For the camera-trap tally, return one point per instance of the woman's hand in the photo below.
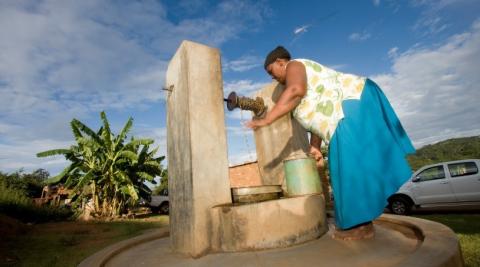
(255, 124)
(315, 151)
(317, 155)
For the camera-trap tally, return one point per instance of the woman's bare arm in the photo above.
(295, 90)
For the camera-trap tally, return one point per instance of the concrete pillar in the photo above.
(281, 139)
(196, 146)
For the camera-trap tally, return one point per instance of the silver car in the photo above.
(160, 203)
(442, 185)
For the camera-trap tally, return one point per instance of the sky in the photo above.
(62, 59)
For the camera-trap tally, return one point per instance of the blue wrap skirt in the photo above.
(367, 157)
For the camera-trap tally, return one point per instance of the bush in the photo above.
(30, 183)
(15, 203)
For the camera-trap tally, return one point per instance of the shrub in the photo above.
(30, 183)
(15, 203)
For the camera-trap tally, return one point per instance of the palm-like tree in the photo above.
(106, 167)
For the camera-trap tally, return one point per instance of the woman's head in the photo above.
(276, 63)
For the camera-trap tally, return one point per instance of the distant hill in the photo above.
(451, 149)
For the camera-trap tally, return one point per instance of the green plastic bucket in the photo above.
(302, 176)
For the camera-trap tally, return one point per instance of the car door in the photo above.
(431, 186)
(465, 180)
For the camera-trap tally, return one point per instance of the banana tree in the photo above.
(107, 168)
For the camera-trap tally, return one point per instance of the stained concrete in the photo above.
(269, 224)
(245, 175)
(321, 252)
(196, 146)
(279, 140)
(399, 241)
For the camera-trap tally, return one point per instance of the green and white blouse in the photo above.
(320, 110)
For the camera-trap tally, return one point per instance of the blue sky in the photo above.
(72, 59)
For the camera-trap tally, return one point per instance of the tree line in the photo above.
(448, 150)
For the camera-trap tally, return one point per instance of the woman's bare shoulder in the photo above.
(297, 74)
(295, 66)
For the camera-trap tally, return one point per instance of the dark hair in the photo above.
(278, 52)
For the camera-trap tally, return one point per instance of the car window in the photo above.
(462, 169)
(164, 192)
(432, 173)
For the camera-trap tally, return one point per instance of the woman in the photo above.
(367, 143)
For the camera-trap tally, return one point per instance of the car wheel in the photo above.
(400, 206)
(154, 209)
(164, 209)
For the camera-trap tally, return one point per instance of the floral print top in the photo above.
(320, 110)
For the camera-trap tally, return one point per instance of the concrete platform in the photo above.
(399, 241)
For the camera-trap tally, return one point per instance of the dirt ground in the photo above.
(9, 228)
(66, 241)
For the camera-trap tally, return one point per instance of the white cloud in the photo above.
(241, 115)
(301, 29)
(298, 32)
(393, 52)
(435, 90)
(21, 153)
(243, 87)
(240, 131)
(434, 17)
(70, 59)
(7, 128)
(243, 63)
(436, 5)
(241, 158)
(430, 25)
(338, 66)
(158, 134)
(56, 52)
(376, 2)
(356, 36)
(17, 155)
(75, 51)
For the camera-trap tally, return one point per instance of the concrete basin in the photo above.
(268, 224)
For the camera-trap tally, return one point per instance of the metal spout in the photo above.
(257, 105)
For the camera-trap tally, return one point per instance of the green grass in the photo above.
(467, 228)
(68, 243)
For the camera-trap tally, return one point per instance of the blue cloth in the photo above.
(367, 157)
